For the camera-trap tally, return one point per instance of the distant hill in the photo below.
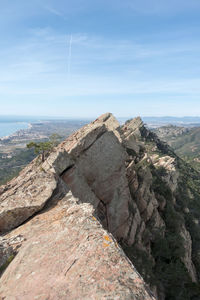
(184, 141)
(154, 122)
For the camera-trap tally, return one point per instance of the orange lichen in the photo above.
(105, 245)
(107, 238)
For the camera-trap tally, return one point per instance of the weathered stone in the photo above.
(27, 194)
(109, 120)
(8, 249)
(100, 174)
(68, 255)
(58, 162)
(187, 259)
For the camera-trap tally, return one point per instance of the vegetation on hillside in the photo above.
(185, 142)
(13, 164)
(14, 155)
(44, 148)
(162, 264)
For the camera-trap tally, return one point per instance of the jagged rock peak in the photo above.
(109, 120)
(61, 220)
(134, 123)
(72, 209)
(105, 117)
(134, 127)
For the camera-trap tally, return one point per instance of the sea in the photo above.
(9, 128)
(11, 124)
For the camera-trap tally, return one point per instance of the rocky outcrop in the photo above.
(187, 258)
(171, 131)
(24, 196)
(68, 255)
(63, 251)
(102, 186)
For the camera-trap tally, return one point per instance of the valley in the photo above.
(185, 141)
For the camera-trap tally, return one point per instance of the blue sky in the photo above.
(130, 57)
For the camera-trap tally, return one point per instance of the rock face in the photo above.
(104, 189)
(24, 196)
(68, 255)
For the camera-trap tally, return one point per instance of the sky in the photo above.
(82, 58)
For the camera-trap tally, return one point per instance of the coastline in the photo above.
(14, 129)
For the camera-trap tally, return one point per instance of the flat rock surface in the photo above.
(66, 254)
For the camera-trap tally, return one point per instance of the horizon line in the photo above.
(91, 117)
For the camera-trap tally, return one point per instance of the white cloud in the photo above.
(99, 66)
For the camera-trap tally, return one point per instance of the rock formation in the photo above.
(67, 223)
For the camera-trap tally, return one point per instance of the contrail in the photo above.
(69, 57)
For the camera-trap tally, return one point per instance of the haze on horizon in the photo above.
(84, 58)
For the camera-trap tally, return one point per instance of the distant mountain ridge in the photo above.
(185, 142)
(154, 122)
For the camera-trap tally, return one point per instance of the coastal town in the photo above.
(14, 154)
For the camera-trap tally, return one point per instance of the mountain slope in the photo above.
(184, 141)
(124, 178)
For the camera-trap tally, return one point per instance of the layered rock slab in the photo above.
(66, 254)
(100, 168)
(63, 252)
(25, 195)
